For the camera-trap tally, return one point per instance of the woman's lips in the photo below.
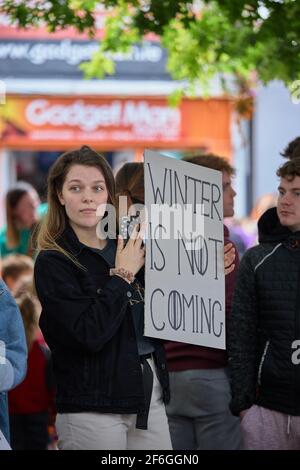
(88, 211)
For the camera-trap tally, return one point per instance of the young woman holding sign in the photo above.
(110, 379)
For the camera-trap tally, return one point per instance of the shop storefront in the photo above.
(50, 108)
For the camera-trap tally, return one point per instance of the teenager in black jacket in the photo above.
(106, 371)
(264, 339)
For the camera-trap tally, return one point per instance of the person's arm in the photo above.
(70, 317)
(13, 349)
(242, 338)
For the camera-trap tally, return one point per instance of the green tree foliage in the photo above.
(203, 38)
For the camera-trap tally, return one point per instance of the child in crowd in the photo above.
(15, 268)
(31, 404)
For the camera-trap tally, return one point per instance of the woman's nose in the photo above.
(87, 196)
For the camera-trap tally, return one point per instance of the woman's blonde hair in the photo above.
(55, 221)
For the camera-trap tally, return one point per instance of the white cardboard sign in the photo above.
(185, 286)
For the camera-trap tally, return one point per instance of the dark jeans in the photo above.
(29, 431)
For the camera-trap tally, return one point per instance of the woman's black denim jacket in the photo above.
(86, 320)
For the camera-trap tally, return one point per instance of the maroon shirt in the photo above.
(183, 356)
(33, 395)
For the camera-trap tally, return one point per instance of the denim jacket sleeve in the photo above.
(70, 316)
(13, 348)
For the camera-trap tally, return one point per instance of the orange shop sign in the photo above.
(48, 122)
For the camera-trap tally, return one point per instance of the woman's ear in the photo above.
(60, 198)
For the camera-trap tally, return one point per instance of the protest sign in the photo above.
(185, 286)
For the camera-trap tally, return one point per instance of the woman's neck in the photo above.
(89, 237)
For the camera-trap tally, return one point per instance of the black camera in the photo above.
(127, 224)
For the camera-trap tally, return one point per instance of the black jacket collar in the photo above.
(69, 241)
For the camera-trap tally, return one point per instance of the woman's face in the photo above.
(83, 191)
(25, 211)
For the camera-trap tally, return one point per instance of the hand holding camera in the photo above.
(127, 224)
(130, 250)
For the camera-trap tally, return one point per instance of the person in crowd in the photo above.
(244, 232)
(130, 183)
(264, 328)
(198, 412)
(13, 352)
(109, 380)
(31, 404)
(23, 211)
(15, 268)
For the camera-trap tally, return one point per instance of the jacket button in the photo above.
(99, 290)
(129, 294)
(163, 366)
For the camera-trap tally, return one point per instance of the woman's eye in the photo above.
(99, 188)
(75, 188)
